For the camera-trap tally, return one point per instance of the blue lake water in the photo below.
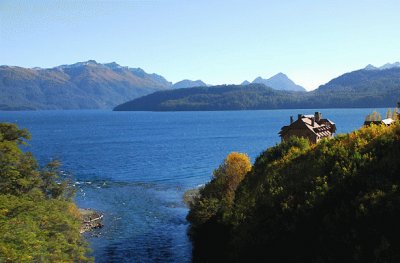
(135, 166)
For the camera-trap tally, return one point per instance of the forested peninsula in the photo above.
(335, 201)
(38, 220)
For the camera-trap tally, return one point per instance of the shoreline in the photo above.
(90, 220)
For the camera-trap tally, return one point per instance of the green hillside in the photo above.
(223, 97)
(337, 201)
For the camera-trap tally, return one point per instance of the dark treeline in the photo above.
(337, 201)
(358, 89)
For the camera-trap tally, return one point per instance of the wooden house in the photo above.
(312, 127)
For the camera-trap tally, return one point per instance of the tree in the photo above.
(218, 195)
(388, 114)
(10, 132)
(375, 116)
(232, 172)
(208, 230)
(38, 221)
(378, 117)
(395, 115)
(18, 170)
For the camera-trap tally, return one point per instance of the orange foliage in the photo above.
(235, 167)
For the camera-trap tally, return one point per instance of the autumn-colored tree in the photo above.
(388, 114)
(376, 116)
(232, 172)
(395, 115)
(213, 204)
(218, 195)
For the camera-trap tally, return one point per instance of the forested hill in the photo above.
(337, 201)
(362, 88)
(83, 85)
(365, 80)
(223, 97)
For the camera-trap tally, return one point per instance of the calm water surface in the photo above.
(135, 166)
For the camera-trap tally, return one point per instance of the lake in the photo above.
(135, 166)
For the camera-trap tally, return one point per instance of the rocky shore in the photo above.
(90, 219)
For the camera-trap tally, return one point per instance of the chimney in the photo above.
(299, 116)
(318, 116)
(291, 119)
(312, 121)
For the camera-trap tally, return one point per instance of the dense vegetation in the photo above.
(38, 221)
(362, 88)
(337, 201)
(223, 97)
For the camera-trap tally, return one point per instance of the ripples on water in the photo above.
(135, 166)
(143, 222)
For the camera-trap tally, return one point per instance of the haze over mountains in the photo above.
(84, 85)
(186, 83)
(279, 81)
(386, 66)
(92, 85)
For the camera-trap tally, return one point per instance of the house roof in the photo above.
(321, 128)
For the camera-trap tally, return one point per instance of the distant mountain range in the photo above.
(92, 85)
(386, 66)
(88, 85)
(84, 85)
(357, 89)
(279, 82)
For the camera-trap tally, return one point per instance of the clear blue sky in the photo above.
(218, 41)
